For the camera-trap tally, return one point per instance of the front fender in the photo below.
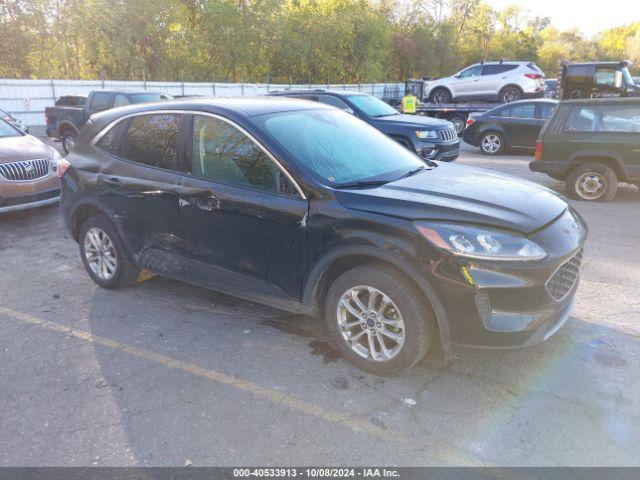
(314, 281)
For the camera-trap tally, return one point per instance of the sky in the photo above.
(589, 16)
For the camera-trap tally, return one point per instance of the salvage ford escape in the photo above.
(303, 207)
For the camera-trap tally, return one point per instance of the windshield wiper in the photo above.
(362, 184)
(416, 170)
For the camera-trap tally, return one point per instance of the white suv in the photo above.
(501, 81)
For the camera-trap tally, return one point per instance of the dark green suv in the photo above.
(591, 145)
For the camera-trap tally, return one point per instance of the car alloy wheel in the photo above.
(68, 141)
(441, 96)
(511, 95)
(370, 323)
(491, 143)
(591, 185)
(100, 253)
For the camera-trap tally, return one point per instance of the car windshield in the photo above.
(372, 106)
(7, 130)
(144, 97)
(337, 147)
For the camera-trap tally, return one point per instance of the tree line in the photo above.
(315, 41)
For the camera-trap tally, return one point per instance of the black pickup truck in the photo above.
(65, 122)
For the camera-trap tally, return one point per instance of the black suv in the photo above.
(592, 145)
(303, 207)
(430, 138)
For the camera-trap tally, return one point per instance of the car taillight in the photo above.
(63, 166)
(533, 76)
(538, 154)
(470, 121)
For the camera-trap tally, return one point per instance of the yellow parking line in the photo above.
(218, 377)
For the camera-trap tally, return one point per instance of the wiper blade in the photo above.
(362, 184)
(413, 172)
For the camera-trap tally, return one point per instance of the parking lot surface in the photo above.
(164, 373)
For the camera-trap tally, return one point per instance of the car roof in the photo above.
(122, 91)
(318, 91)
(604, 101)
(239, 106)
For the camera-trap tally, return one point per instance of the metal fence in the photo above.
(27, 99)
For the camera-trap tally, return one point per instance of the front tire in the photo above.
(491, 143)
(592, 182)
(378, 319)
(103, 254)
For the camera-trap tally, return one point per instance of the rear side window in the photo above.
(152, 140)
(547, 109)
(523, 110)
(496, 69)
(222, 153)
(110, 141)
(612, 118)
(333, 101)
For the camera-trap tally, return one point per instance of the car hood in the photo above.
(25, 147)
(415, 121)
(459, 193)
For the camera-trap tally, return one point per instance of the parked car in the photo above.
(551, 88)
(71, 101)
(492, 81)
(27, 171)
(303, 207)
(7, 117)
(596, 79)
(515, 125)
(65, 122)
(591, 145)
(430, 138)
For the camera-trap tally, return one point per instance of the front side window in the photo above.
(372, 106)
(222, 153)
(152, 140)
(471, 72)
(337, 148)
(100, 102)
(120, 101)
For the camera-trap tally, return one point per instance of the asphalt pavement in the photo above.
(166, 374)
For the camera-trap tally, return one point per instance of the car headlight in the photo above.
(480, 243)
(426, 134)
(53, 159)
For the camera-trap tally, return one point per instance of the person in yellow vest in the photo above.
(409, 103)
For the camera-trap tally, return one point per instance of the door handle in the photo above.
(112, 182)
(209, 203)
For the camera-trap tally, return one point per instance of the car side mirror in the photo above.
(457, 75)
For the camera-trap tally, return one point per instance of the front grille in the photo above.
(25, 170)
(449, 135)
(564, 279)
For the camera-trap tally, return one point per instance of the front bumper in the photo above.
(443, 152)
(513, 304)
(24, 202)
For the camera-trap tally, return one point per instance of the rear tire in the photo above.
(592, 182)
(103, 254)
(510, 94)
(440, 96)
(459, 122)
(388, 311)
(491, 143)
(68, 140)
